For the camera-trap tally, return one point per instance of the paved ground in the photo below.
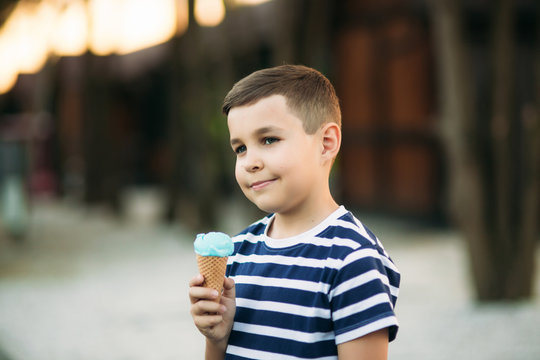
(85, 286)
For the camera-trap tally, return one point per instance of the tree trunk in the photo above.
(493, 181)
(192, 190)
(514, 248)
(187, 129)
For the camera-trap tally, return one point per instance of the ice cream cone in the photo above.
(213, 269)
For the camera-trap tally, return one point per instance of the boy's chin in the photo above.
(273, 208)
(266, 207)
(268, 203)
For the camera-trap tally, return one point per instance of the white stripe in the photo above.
(360, 254)
(282, 283)
(368, 329)
(394, 291)
(356, 227)
(358, 281)
(346, 224)
(315, 263)
(315, 241)
(287, 260)
(264, 355)
(283, 333)
(361, 306)
(345, 242)
(389, 264)
(251, 239)
(329, 242)
(312, 240)
(283, 308)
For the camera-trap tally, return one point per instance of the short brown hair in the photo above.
(309, 94)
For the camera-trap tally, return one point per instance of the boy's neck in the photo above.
(297, 222)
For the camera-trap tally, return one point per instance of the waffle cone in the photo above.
(213, 269)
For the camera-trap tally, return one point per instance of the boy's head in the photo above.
(309, 94)
(284, 126)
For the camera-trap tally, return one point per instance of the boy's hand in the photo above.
(214, 320)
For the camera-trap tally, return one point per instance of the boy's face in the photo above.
(278, 165)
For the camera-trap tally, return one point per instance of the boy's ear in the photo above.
(331, 140)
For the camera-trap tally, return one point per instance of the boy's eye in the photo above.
(240, 149)
(270, 140)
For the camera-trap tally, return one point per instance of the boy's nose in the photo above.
(253, 163)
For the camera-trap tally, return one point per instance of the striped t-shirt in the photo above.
(298, 298)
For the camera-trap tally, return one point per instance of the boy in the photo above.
(308, 281)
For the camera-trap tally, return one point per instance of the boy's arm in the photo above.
(214, 351)
(373, 346)
(213, 320)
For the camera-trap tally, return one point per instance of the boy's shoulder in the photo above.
(346, 226)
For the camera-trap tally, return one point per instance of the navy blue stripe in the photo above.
(392, 332)
(235, 357)
(363, 318)
(315, 275)
(279, 319)
(348, 217)
(284, 346)
(393, 277)
(370, 233)
(303, 250)
(279, 271)
(360, 266)
(356, 294)
(300, 250)
(344, 233)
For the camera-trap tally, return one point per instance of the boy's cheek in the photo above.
(238, 176)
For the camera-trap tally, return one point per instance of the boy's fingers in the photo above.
(197, 280)
(228, 283)
(228, 288)
(205, 308)
(197, 293)
(207, 321)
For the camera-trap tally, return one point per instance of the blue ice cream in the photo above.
(213, 244)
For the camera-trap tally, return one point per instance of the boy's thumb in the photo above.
(228, 288)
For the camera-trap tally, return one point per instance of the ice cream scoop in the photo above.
(213, 244)
(213, 250)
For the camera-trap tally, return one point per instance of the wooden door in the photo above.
(390, 159)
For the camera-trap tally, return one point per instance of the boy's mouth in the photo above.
(258, 185)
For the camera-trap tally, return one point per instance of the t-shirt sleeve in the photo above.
(363, 295)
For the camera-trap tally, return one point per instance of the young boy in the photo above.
(308, 281)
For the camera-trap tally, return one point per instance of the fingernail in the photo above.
(215, 294)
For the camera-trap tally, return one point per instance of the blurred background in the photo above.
(114, 154)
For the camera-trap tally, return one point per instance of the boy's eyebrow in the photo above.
(258, 132)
